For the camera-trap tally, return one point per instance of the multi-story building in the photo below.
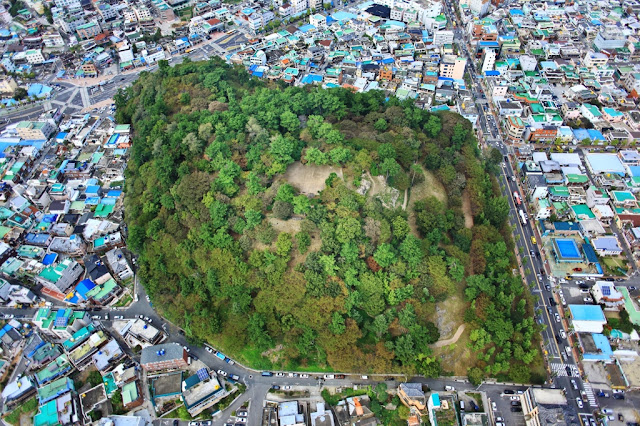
(299, 6)
(7, 85)
(35, 130)
(594, 60)
(52, 40)
(515, 128)
(34, 56)
(545, 406)
(168, 356)
(489, 60)
(452, 67)
(88, 30)
(442, 37)
(479, 7)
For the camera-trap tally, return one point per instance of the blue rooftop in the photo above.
(587, 313)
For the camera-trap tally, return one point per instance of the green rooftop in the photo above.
(583, 211)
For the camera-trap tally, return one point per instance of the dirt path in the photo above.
(447, 342)
(466, 209)
(406, 199)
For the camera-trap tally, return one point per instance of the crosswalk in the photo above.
(588, 389)
(561, 369)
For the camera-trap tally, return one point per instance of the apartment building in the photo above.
(453, 67)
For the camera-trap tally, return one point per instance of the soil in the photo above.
(466, 209)
(309, 179)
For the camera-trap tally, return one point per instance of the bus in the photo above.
(523, 217)
(516, 198)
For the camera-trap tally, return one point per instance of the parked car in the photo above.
(275, 387)
(574, 384)
(577, 269)
(222, 373)
(208, 349)
(618, 395)
(587, 300)
(579, 402)
(509, 392)
(286, 387)
(494, 407)
(516, 403)
(515, 398)
(563, 334)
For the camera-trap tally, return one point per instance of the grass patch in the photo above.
(26, 408)
(333, 399)
(478, 400)
(124, 301)
(253, 357)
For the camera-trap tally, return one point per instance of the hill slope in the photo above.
(350, 287)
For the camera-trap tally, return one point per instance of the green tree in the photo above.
(429, 366)
(289, 121)
(304, 241)
(381, 125)
(390, 167)
(337, 325)
(283, 244)
(385, 255)
(315, 156)
(475, 375)
(282, 210)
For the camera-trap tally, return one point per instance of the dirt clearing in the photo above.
(466, 209)
(309, 179)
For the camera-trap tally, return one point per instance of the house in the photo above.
(606, 246)
(412, 395)
(18, 391)
(201, 391)
(117, 262)
(591, 112)
(605, 293)
(96, 269)
(132, 395)
(587, 318)
(168, 356)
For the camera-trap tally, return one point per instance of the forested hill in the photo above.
(231, 249)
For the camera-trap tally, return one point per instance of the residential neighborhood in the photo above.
(551, 86)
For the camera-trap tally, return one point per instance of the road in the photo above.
(559, 354)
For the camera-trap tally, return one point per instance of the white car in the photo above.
(146, 318)
(515, 398)
(148, 298)
(304, 376)
(290, 374)
(286, 388)
(494, 407)
(579, 402)
(186, 348)
(118, 317)
(557, 317)
(222, 373)
(587, 300)
(208, 349)
(279, 374)
(563, 334)
(574, 384)
(241, 419)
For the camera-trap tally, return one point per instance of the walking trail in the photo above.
(447, 342)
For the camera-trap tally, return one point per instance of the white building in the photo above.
(442, 37)
(34, 56)
(489, 60)
(605, 293)
(299, 6)
(479, 7)
(587, 318)
(52, 40)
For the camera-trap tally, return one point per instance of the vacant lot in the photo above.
(309, 179)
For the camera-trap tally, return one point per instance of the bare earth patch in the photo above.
(466, 209)
(308, 178)
(291, 226)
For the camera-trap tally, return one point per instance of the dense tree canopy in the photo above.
(347, 283)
